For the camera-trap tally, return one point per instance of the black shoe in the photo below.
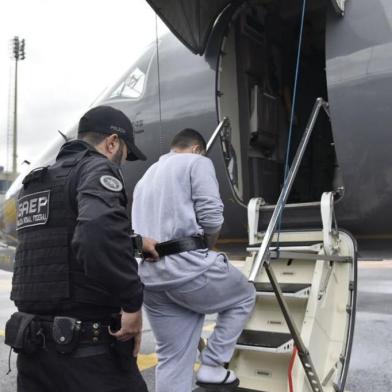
(221, 386)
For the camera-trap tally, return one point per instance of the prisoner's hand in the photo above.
(131, 327)
(149, 249)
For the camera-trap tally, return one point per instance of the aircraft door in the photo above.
(190, 21)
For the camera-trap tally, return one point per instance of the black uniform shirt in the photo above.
(101, 241)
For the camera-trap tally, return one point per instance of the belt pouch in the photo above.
(124, 355)
(21, 333)
(66, 334)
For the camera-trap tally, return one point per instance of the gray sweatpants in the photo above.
(176, 317)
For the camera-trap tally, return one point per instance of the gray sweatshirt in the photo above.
(177, 197)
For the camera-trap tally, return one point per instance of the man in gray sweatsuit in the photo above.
(178, 197)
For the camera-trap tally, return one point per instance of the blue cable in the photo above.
(294, 99)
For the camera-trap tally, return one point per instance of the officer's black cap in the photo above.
(107, 120)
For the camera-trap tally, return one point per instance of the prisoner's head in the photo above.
(188, 141)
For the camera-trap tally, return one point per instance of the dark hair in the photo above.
(188, 137)
(93, 138)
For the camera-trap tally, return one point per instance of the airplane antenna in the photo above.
(63, 135)
(294, 99)
(159, 86)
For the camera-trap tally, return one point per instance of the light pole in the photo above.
(18, 53)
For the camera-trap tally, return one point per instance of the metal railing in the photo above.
(263, 253)
(224, 123)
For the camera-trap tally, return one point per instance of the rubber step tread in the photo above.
(199, 389)
(263, 338)
(287, 288)
(289, 243)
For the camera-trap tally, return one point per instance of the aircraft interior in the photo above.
(254, 90)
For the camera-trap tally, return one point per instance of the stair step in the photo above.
(221, 388)
(247, 390)
(275, 255)
(265, 341)
(301, 290)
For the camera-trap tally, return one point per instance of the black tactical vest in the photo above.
(47, 277)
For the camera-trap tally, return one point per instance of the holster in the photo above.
(123, 352)
(23, 333)
(66, 334)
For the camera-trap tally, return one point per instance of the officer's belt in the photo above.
(181, 245)
(90, 332)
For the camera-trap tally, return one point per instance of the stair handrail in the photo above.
(263, 252)
(224, 123)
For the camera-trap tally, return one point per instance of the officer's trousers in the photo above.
(48, 371)
(176, 317)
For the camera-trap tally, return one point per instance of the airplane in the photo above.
(345, 60)
(237, 59)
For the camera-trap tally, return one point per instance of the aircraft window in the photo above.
(132, 86)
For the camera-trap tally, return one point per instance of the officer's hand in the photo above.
(149, 248)
(131, 327)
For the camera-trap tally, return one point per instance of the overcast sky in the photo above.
(74, 49)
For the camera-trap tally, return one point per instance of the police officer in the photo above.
(75, 269)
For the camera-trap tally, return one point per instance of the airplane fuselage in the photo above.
(185, 91)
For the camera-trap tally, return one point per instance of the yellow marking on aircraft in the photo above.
(146, 361)
(2, 333)
(9, 211)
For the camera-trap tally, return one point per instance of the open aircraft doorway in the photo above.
(255, 83)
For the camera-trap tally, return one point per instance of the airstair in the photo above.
(300, 334)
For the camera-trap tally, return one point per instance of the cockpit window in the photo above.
(132, 86)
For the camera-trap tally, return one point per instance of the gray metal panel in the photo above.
(191, 21)
(359, 75)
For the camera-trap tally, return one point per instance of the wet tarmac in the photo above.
(371, 359)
